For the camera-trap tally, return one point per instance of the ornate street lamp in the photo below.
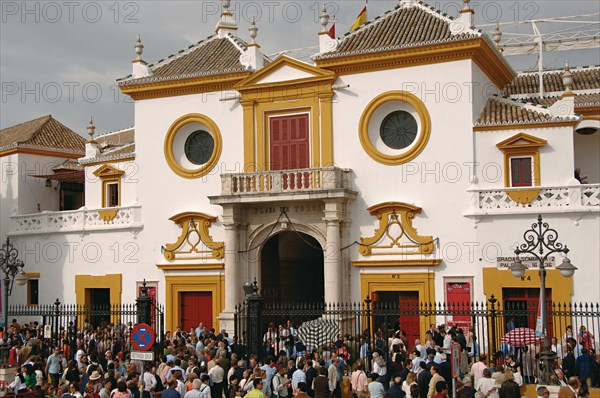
(540, 243)
(12, 268)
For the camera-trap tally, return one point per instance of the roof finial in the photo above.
(139, 47)
(467, 6)
(253, 29)
(567, 78)
(91, 129)
(227, 23)
(497, 36)
(324, 18)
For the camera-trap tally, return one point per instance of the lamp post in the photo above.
(12, 268)
(540, 243)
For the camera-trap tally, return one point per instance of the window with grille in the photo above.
(521, 171)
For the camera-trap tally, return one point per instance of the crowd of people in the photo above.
(203, 363)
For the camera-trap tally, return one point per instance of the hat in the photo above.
(95, 375)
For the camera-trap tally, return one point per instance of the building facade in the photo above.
(404, 163)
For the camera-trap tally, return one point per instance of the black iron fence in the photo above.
(65, 325)
(484, 324)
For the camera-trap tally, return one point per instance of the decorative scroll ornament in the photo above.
(194, 242)
(396, 234)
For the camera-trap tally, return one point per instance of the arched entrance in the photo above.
(292, 269)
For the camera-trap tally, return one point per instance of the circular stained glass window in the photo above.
(398, 130)
(199, 147)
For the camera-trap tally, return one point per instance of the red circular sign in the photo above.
(142, 337)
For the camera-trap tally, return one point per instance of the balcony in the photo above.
(281, 185)
(565, 199)
(77, 221)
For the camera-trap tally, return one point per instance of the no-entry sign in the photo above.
(142, 337)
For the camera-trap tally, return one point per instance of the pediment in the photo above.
(108, 171)
(522, 140)
(286, 70)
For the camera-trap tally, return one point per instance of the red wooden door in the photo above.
(195, 307)
(409, 322)
(289, 145)
(521, 306)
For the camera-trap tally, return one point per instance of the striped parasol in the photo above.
(318, 332)
(521, 337)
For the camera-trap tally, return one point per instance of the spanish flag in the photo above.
(332, 31)
(360, 20)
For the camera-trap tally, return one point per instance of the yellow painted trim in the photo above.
(197, 223)
(525, 126)
(421, 282)
(494, 280)
(172, 133)
(530, 142)
(422, 139)
(178, 87)
(108, 215)
(279, 63)
(33, 275)
(477, 49)
(191, 267)
(397, 263)
(109, 161)
(524, 197)
(110, 281)
(404, 213)
(105, 183)
(310, 94)
(512, 149)
(41, 152)
(193, 283)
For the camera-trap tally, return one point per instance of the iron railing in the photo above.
(62, 325)
(484, 324)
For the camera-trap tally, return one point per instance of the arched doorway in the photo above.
(292, 269)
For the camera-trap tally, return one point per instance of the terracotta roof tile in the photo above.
(499, 111)
(528, 82)
(581, 100)
(44, 132)
(212, 56)
(401, 27)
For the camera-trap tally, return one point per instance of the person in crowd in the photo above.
(586, 367)
(375, 387)
(509, 388)
(435, 378)
(571, 389)
(441, 389)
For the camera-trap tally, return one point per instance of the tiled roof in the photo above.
(586, 78)
(114, 145)
(212, 56)
(505, 111)
(44, 132)
(581, 100)
(404, 26)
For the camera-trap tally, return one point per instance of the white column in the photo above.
(332, 266)
(231, 268)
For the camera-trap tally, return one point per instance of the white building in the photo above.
(314, 178)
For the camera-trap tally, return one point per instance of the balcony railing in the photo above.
(285, 181)
(76, 221)
(573, 198)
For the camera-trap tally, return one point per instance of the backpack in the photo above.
(276, 376)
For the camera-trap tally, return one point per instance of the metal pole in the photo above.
(547, 356)
(6, 287)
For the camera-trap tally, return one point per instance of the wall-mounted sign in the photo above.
(528, 262)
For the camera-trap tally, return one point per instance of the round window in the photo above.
(398, 130)
(199, 147)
